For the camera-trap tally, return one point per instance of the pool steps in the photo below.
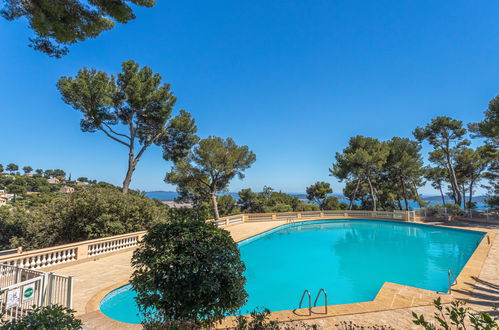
(306, 292)
(449, 274)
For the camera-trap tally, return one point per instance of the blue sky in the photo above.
(293, 80)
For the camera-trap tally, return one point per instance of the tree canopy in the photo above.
(489, 127)
(268, 201)
(318, 192)
(361, 161)
(209, 168)
(60, 23)
(12, 168)
(446, 136)
(188, 272)
(133, 109)
(27, 169)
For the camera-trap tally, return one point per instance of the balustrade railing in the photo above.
(62, 254)
(112, 245)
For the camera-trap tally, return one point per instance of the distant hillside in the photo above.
(476, 199)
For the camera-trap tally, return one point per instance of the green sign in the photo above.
(28, 292)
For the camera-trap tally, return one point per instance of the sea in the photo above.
(171, 195)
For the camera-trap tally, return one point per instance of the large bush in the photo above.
(45, 318)
(88, 213)
(188, 271)
(443, 210)
(271, 201)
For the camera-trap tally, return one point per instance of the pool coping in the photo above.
(391, 295)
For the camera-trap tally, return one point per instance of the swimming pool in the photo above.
(350, 259)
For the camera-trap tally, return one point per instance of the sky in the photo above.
(293, 80)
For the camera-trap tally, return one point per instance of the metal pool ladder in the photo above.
(325, 298)
(309, 301)
(449, 274)
(306, 292)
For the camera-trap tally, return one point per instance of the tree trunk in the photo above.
(215, 206)
(354, 194)
(405, 195)
(399, 204)
(132, 162)
(373, 199)
(471, 193)
(464, 197)
(454, 183)
(441, 194)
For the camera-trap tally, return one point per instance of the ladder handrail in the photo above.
(325, 298)
(449, 273)
(309, 301)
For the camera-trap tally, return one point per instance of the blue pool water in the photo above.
(350, 259)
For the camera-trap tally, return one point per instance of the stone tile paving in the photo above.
(95, 276)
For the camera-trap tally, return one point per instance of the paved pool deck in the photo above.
(479, 286)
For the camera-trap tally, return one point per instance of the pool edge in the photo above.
(462, 290)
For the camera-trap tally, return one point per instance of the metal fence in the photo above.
(443, 213)
(22, 290)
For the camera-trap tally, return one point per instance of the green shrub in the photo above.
(280, 207)
(88, 213)
(455, 317)
(188, 272)
(46, 318)
(307, 207)
(259, 319)
(227, 205)
(332, 203)
(442, 210)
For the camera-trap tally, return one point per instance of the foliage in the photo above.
(208, 169)
(12, 168)
(446, 136)
(318, 192)
(471, 167)
(59, 23)
(332, 203)
(280, 207)
(443, 210)
(227, 205)
(437, 177)
(402, 172)
(90, 212)
(195, 213)
(27, 169)
(259, 319)
(53, 317)
(271, 201)
(489, 127)
(350, 325)
(362, 160)
(20, 184)
(188, 271)
(455, 317)
(136, 102)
